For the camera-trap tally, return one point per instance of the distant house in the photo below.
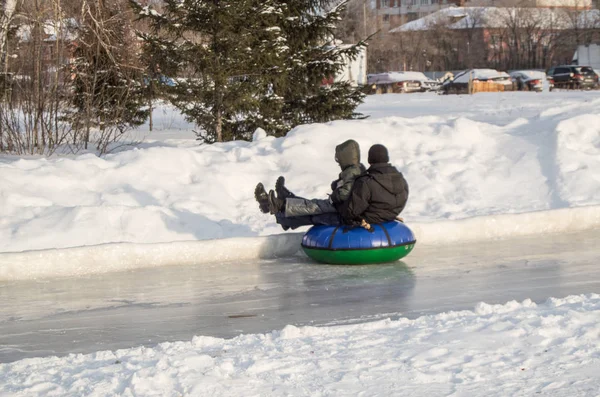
(503, 37)
(57, 39)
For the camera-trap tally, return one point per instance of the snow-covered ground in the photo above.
(516, 349)
(482, 166)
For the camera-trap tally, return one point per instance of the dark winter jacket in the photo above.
(378, 196)
(347, 155)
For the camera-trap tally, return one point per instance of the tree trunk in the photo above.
(38, 41)
(6, 16)
(150, 120)
(219, 125)
(59, 56)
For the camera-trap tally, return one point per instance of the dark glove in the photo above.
(334, 184)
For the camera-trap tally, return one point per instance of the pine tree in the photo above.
(245, 64)
(221, 51)
(309, 27)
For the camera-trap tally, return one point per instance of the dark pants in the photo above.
(297, 206)
(328, 219)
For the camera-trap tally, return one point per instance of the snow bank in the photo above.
(508, 225)
(79, 261)
(107, 258)
(463, 156)
(493, 350)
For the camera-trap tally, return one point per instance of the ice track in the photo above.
(149, 306)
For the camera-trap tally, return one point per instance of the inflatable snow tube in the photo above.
(345, 245)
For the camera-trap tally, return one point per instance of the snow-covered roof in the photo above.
(427, 22)
(67, 28)
(479, 74)
(500, 17)
(530, 74)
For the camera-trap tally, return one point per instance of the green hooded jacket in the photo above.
(347, 155)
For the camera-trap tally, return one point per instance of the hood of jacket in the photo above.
(347, 154)
(388, 177)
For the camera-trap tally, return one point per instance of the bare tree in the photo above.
(7, 12)
(53, 39)
(470, 27)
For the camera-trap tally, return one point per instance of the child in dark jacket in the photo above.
(379, 195)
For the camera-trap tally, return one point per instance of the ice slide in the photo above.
(168, 303)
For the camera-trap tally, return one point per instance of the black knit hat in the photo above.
(378, 154)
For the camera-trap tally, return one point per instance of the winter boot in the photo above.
(276, 205)
(261, 196)
(281, 190)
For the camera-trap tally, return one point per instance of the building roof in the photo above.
(500, 17)
(67, 28)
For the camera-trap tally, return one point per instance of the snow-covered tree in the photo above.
(244, 64)
(309, 90)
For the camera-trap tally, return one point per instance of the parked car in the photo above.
(460, 83)
(528, 80)
(430, 85)
(401, 82)
(426, 84)
(550, 81)
(573, 76)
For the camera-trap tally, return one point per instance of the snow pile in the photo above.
(578, 149)
(479, 157)
(494, 350)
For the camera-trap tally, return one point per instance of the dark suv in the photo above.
(573, 76)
